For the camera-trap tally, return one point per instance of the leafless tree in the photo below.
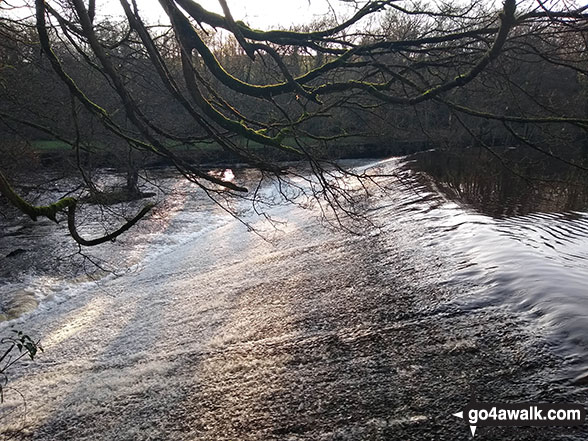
(287, 89)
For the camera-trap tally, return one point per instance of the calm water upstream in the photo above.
(205, 331)
(519, 243)
(519, 227)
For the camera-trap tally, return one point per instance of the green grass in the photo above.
(49, 145)
(45, 145)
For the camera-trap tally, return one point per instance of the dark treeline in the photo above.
(392, 78)
(539, 74)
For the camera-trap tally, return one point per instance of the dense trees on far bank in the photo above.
(392, 76)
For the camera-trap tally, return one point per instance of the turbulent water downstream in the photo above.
(208, 332)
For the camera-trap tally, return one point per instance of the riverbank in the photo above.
(316, 335)
(210, 155)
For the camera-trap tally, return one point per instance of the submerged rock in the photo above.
(21, 302)
(16, 252)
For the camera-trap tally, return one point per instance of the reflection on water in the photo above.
(522, 242)
(494, 239)
(226, 175)
(517, 182)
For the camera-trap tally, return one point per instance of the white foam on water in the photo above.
(143, 338)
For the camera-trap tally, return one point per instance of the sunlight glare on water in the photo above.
(216, 328)
(533, 263)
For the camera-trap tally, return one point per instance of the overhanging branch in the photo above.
(68, 204)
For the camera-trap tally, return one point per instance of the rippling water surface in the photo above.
(207, 305)
(512, 243)
(520, 233)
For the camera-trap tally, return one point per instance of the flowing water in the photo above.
(207, 331)
(521, 233)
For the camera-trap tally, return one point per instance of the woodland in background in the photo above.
(538, 74)
(394, 78)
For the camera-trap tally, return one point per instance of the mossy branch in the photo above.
(34, 212)
(201, 15)
(70, 204)
(579, 122)
(71, 224)
(508, 21)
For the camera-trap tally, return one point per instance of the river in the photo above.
(208, 331)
